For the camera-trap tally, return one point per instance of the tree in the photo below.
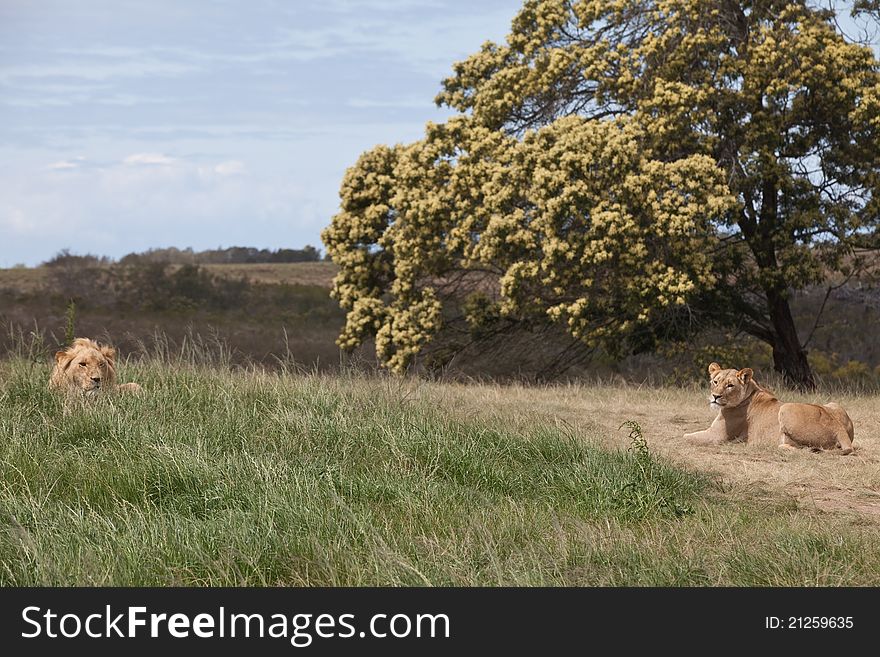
(635, 170)
(866, 7)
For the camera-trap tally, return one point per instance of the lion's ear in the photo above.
(109, 353)
(714, 367)
(63, 358)
(745, 374)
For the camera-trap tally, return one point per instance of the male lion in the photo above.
(88, 368)
(750, 413)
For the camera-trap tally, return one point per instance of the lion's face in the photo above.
(729, 388)
(85, 366)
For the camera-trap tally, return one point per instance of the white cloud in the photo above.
(229, 168)
(35, 103)
(63, 165)
(412, 102)
(148, 159)
(381, 5)
(113, 208)
(142, 66)
(69, 100)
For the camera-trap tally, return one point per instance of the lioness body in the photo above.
(748, 412)
(88, 368)
(819, 427)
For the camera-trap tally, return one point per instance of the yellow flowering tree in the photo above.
(629, 170)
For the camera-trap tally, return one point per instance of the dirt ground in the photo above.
(823, 482)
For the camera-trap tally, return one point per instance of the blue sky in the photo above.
(130, 124)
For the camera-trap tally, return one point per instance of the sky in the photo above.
(134, 124)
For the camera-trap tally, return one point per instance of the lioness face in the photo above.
(729, 388)
(85, 367)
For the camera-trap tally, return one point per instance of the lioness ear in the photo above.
(745, 375)
(714, 367)
(109, 353)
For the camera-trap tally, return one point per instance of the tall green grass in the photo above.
(219, 477)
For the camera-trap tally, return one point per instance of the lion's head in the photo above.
(85, 366)
(729, 388)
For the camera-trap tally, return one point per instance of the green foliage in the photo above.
(638, 444)
(687, 361)
(853, 369)
(65, 260)
(156, 286)
(481, 312)
(27, 346)
(634, 171)
(850, 372)
(232, 255)
(150, 286)
(70, 326)
(651, 487)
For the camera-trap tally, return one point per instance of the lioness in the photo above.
(88, 368)
(750, 413)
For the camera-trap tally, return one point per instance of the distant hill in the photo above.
(240, 255)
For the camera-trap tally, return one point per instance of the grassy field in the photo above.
(221, 476)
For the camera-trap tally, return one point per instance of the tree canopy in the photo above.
(630, 170)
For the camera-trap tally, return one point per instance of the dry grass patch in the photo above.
(290, 273)
(823, 482)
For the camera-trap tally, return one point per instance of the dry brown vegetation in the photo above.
(259, 312)
(24, 279)
(30, 279)
(826, 483)
(281, 297)
(293, 273)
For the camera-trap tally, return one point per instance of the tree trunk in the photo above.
(789, 358)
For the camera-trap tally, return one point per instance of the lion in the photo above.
(88, 368)
(748, 412)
